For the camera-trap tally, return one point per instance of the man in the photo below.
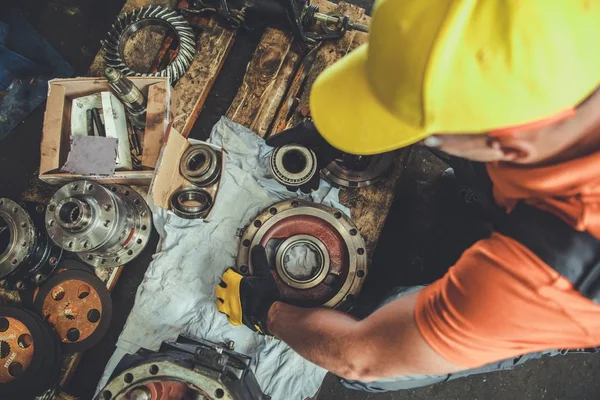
(510, 83)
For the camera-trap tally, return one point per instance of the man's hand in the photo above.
(247, 299)
(306, 134)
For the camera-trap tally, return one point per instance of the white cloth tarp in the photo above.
(177, 294)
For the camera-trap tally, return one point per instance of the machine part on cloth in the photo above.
(201, 165)
(191, 203)
(300, 14)
(353, 171)
(106, 226)
(338, 263)
(27, 256)
(77, 304)
(134, 100)
(29, 355)
(126, 25)
(184, 369)
(293, 165)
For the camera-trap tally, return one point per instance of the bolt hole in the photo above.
(246, 242)
(273, 210)
(89, 257)
(25, 341)
(219, 393)
(360, 251)
(19, 285)
(144, 227)
(118, 259)
(15, 210)
(337, 215)
(39, 208)
(4, 324)
(93, 315)
(103, 261)
(15, 369)
(257, 223)
(126, 192)
(73, 334)
(128, 378)
(113, 189)
(14, 261)
(75, 187)
(154, 369)
(83, 291)
(58, 293)
(90, 187)
(85, 244)
(295, 204)
(136, 202)
(23, 224)
(106, 395)
(139, 241)
(353, 232)
(70, 244)
(51, 223)
(129, 252)
(52, 207)
(360, 273)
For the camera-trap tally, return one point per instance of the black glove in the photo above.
(247, 299)
(306, 134)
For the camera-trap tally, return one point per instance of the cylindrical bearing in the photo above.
(191, 203)
(201, 165)
(293, 165)
(104, 226)
(354, 171)
(313, 274)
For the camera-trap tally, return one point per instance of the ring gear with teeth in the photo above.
(127, 24)
(27, 256)
(105, 226)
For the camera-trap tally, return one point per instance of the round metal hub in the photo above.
(201, 165)
(77, 304)
(126, 25)
(191, 203)
(27, 257)
(16, 348)
(104, 226)
(293, 165)
(330, 263)
(358, 171)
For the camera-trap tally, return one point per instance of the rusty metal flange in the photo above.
(339, 249)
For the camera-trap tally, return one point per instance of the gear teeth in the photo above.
(183, 31)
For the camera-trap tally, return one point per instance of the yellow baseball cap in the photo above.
(457, 66)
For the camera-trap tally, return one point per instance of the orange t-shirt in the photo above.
(500, 300)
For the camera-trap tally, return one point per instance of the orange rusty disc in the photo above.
(16, 348)
(74, 308)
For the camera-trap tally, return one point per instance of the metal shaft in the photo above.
(129, 94)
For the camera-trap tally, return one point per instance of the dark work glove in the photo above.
(306, 134)
(247, 299)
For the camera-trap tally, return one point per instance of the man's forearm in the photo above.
(318, 334)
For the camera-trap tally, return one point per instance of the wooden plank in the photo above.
(193, 88)
(265, 81)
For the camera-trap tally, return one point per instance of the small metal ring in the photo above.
(201, 197)
(201, 165)
(293, 165)
(284, 249)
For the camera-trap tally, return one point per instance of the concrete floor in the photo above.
(423, 235)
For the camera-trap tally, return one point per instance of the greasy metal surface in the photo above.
(104, 226)
(69, 307)
(331, 227)
(191, 203)
(126, 25)
(27, 257)
(16, 348)
(293, 165)
(201, 165)
(358, 171)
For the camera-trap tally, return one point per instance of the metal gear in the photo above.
(27, 256)
(339, 253)
(353, 171)
(29, 355)
(104, 226)
(127, 24)
(78, 306)
(182, 369)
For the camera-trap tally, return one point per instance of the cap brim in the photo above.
(348, 114)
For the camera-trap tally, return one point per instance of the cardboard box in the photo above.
(57, 126)
(168, 178)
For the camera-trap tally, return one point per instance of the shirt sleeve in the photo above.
(501, 301)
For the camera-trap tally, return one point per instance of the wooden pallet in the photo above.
(274, 90)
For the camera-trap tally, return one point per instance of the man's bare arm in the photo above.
(386, 344)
